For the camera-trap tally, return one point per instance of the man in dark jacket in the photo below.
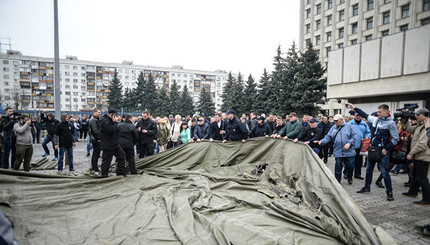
(128, 137)
(202, 130)
(110, 145)
(305, 124)
(36, 135)
(262, 129)
(83, 131)
(311, 134)
(51, 125)
(217, 130)
(147, 131)
(279, 125)
(9, 141)
(324, 126)
(95, 137)
(64, 140)
(253, 121)
(235, 129)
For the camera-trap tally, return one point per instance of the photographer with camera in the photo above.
(381, 145)
(9, 140)
(24, 131)
(420, 153)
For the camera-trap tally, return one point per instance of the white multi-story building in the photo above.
(27, 82)
(370, 43)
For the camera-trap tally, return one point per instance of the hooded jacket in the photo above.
(127, 134)
(362, 130)
(346, 135)
(23, 133)
(64, 133)
(51, 125)
(108, 133)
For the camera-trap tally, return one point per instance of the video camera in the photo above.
(406, 112)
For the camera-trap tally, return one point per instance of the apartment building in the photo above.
(27, 82)
(333, 25)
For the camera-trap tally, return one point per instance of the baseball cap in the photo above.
(201, 119)
(230, 112)
(422, 111)
(337, 117)
(313, 120)
(261, 118)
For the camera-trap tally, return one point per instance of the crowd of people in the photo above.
(402, 144)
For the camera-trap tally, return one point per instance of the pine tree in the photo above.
(311, 84)
(278, 81)
(290, 93)
(174, 99)
(150, 95)
(128, 102)
(227, 94)
(115, 94)
(250, 95)
(162, 103)
(138, 93)
(238, 95)
(265, 93)
(186, 106)
(206, 105)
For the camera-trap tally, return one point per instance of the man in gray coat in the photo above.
(24, 131)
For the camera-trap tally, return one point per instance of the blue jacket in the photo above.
(362, 130)
(346, 135)
(385, 128)
(202, 131)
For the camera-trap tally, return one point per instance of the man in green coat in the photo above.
(291, 130)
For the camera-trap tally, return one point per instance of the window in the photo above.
(341, 15)
(67, 80)
(329, 20)
(369, 4)
(425, 21)
(308, 1)
(368, 37)
(75, 80)
(341, 32)
(341, 1)
(318, 40)
(319, 8)
(67, 73)
(75, 74)
(386, 17)
(5, 62)
(330, 4)
(385, 33)
(308, 13)
(75, 86)
(354, 28)
(308, 28)
(329, 36)
(6, 76)
(404, 27)
(67, 86)
(354, 41)
(6, 83)
(387, 1)
(355, 9)
(318, 53)
(369, 23)
(328, 49)
(308, 41)
(426, 5)
(75, 67)
(5, 69)
(318, 24)
(340, 45)
(405, 11)
(67, 66)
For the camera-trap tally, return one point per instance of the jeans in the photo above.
(8, 147)
(36, 137)
(49, 138)
(69, 154)
(419, 173)
(76, 135)
(349, 165)
(316, 150)
(89, 145)
(384, 171)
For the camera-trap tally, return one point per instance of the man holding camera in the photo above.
(385, 129)
(420, 154)
(24, 131)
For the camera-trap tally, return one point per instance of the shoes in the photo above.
(390, 196)
(325, 161)
(54, 159)
(359, 177)
(88, 154)
(350, 180)
(408, 194)
(395, 171)
(345, 177)
(407, 184)
(121, 174)
(379, 184)
(364, 191)
(44, 155)
(72, 170)
(329, 155)
(422, 203)
(424, 229)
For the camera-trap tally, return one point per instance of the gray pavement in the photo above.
(398, 218)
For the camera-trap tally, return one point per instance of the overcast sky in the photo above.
(232, 35)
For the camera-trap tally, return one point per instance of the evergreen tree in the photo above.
(206, 105)
(174, 96)
(186, 106)
(227, 94)
(290, 92)
(128, 102)
(138, 93)
(150, 95)
(162, 103)
(266, 92)
(115, 94)
(278, 81)
(238, 95)
(250, 95)
(310, 83)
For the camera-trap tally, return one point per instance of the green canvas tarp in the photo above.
(198, 193)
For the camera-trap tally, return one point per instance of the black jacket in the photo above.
(151, 127)
(235, 130)
(108, 133)
(84, 124)
(64, 133)
(311, 134)
(261, 130)
(7, 126)
(278, 128)
(127, 134)
(51, 125)
(94, 129)
(324, 128)
(214, 132)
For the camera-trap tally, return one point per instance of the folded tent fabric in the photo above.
(185, 196)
